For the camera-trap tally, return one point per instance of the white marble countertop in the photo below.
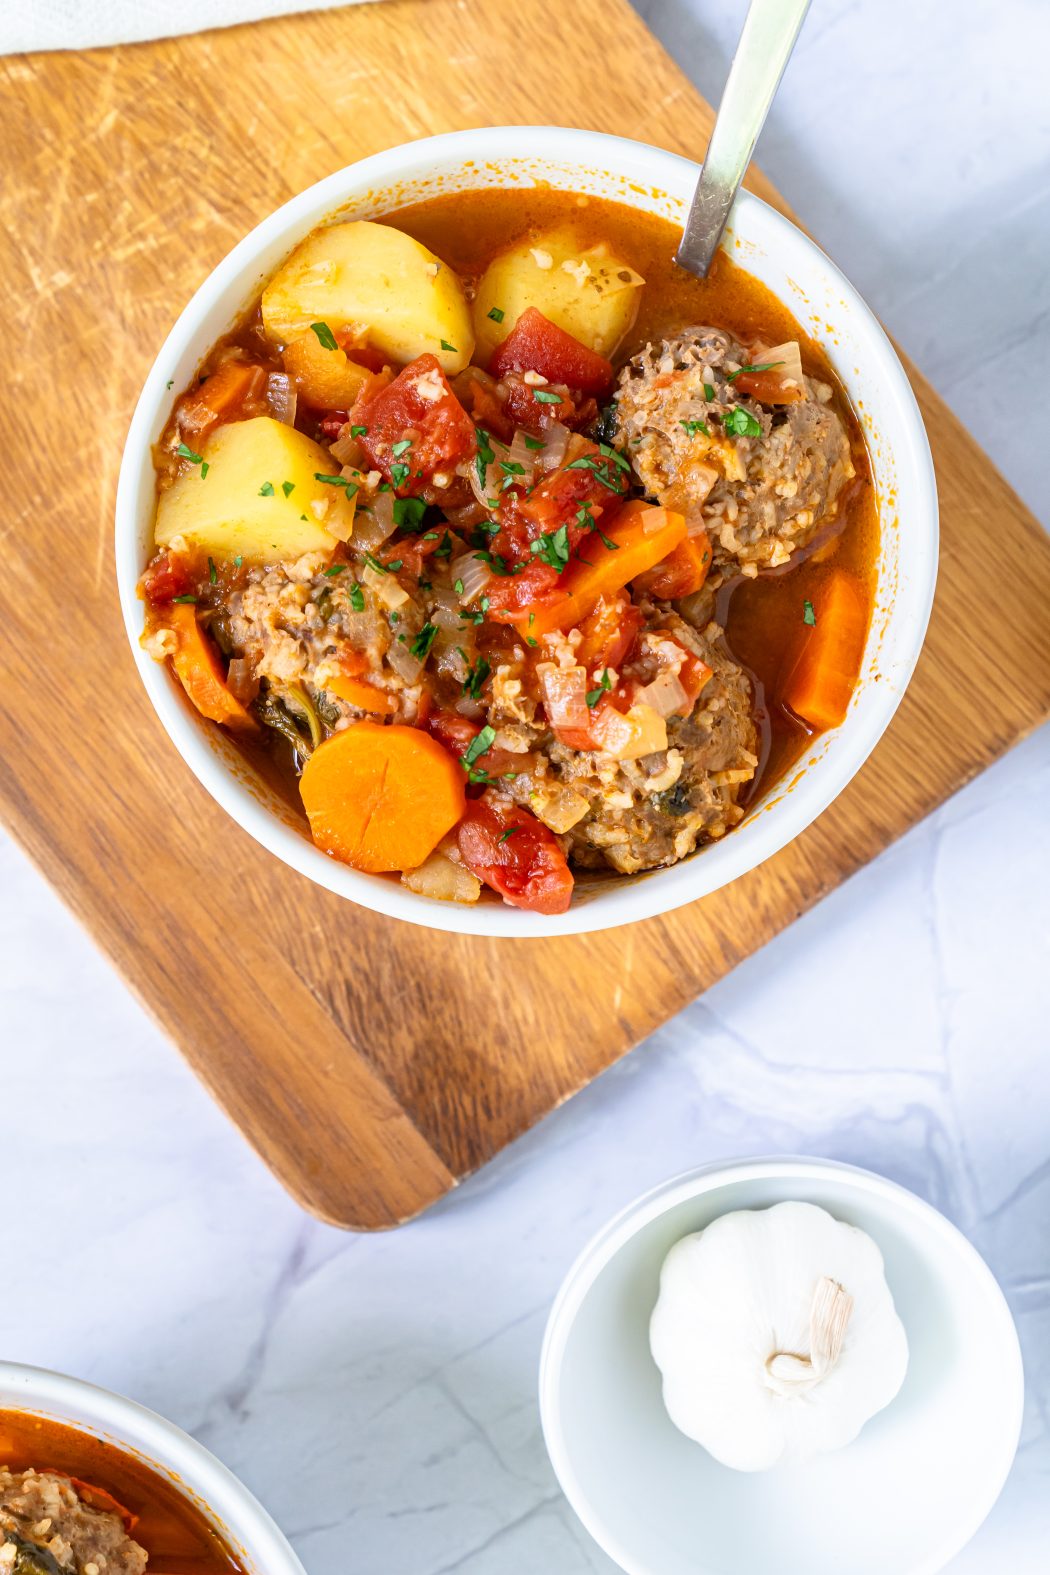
(901, 1026)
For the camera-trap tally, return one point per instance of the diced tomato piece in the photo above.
(166, 578)
(608, 633)
(457, 733)
(523, 409)
(420, 411)
(769, 387)
(510, 850)
(332, 422)
(682, 572)
(536, 344)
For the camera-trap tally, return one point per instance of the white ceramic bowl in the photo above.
(901, 1500)
(769, 247)
(239, 1518)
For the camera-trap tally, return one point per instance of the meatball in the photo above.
(640, 814)
(47, 1529)
(763, 479)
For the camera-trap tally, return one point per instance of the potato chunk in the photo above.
(374, 281)
(587, 291)
(259, 496)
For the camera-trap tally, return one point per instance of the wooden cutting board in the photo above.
(372, 1065)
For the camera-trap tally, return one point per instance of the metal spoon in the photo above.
(765, 46)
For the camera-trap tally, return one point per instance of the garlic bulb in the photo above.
(776, 1335)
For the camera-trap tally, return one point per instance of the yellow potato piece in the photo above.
(588, 291)
(376, 282)
(259, 497)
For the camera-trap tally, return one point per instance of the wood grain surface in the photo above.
(371, 1064)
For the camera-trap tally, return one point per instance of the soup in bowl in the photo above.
(498, 574)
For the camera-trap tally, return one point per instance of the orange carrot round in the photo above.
(199, 670)
(820, 672)
(381, 798)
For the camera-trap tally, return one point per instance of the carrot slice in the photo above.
(641, 537)
(381, 798)
(366, 696)
(820, 673)
(199, 670)
(681, 573)
(221, 397)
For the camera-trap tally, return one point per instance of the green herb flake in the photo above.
(325, 336)
(170, 383)
(475, 678)
(594, 695)
(266, 490)
(446, 346)
(420, 646)
(530, 641)
(350, 487)
(533, 443)
(187, 453)
(553, 548)
(762, 366)
(510, 831)
(336, 568)
(402, 447)
(287, 487)
(205, 467)
(613, 546)
(479, 746)
(458, 587)
(445, 549)
(408, 514)
(374, 563)
(614, 455)
(357, 598)
(238, 561)
(808, 615)
(358, 432)
(691, 428)
(741, 423)
(399, 474)
(496, 314)
(395, 564)
(545, 397)
(485, 455)
(709, 391)
(192, 600)
(213, 573)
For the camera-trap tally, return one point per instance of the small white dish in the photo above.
(768, 246)
(903, 1499)
(239, 1518)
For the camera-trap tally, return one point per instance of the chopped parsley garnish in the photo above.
(374, 563)
(395, 619)
(238, 561)
(335, 568)
(170, 383)
(399, 474)
(337, 481)
(808, 615)
(287, 487)
(358, 431)
(545, 397)
(475, 678)
(485, 455)
(496, 314)
(615, 455)
(530, 641)
(213, 573)
(509, 833)
(742, 423)
(511, 470)
(266, 490)
(693, 427)
(187, 453)
(458, 587)
(478, 616)
(709, 391)
(408, 513)
(533, 443)
(420, 646)
(445, 549)
(191, 599)
(478, 746)
(357, 598)
(402, 447)
(594, 695)
(325, 336)
(498, 563)
(553, 548)
(205, 467)
(395, 564)
(763, 366)
(600, 468)
(584, 518)
(613, 546)
(446, 346)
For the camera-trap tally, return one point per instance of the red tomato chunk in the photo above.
(416, 428)
(535, 344)
(508, 848)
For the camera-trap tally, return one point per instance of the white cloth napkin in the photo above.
(82, 24)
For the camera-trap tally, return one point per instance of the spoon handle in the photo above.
(769, 35)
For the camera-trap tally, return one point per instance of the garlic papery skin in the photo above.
(776, 1335)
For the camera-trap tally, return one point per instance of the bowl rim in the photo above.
(655, 892)
(611, 1237)
(239, 1516)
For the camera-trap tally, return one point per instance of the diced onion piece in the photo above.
(446, 610)
(790, 357)
(555, 443)
(374, 522)
(346, 450)
(640, 732)
(666, 695)
(564, 691)
(519, 453)
(473, 572)
(385, 587)
(559, 807)
(281, 397)
(442, 879)
(405, 665)
(362, 629)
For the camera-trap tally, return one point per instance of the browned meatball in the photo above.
(45, 1526)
